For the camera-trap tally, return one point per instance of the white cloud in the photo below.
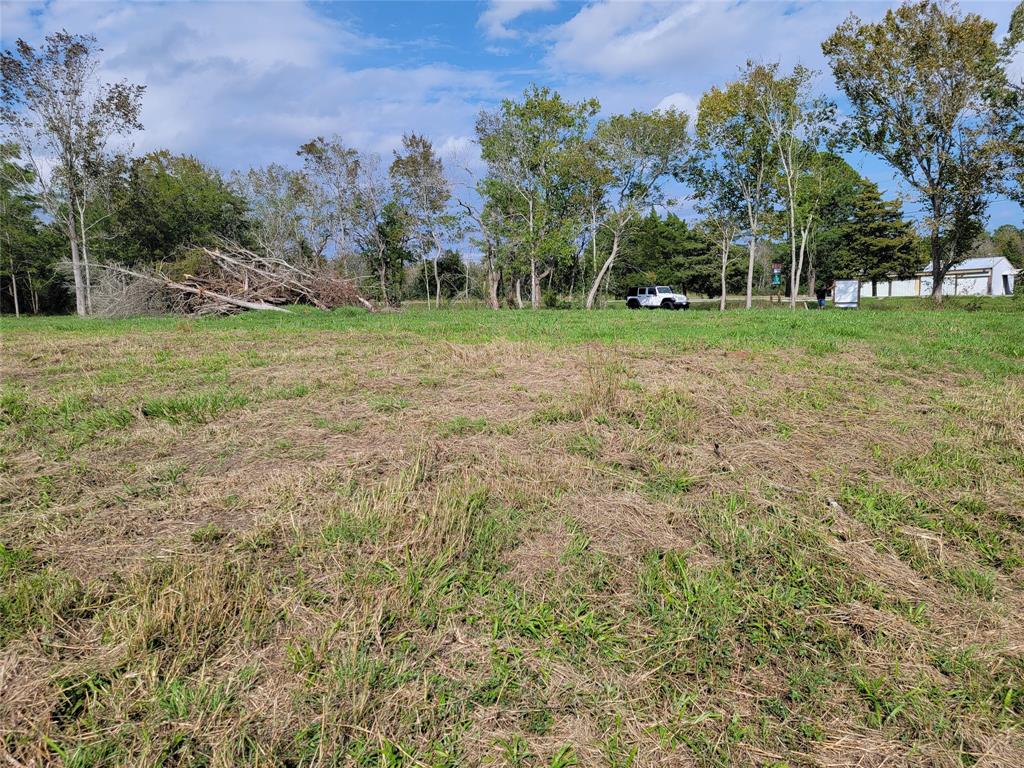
(246, 85)
(500, 13)
(687, 40)
(680, 102)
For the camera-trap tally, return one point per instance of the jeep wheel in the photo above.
(668, 304)
(633, 304)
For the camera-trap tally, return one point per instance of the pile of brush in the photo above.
(228, 279)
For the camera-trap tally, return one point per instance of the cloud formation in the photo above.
(241, 84)
(246, 85)
(500, 13)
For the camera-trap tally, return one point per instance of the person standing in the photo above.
(821, 293)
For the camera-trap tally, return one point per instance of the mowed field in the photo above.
(461, 538)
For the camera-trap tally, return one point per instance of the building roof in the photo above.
(982, 262)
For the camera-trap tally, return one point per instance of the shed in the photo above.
(982, 276)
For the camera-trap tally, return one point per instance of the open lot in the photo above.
(520, 539)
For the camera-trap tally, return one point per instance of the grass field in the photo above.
(514, 539)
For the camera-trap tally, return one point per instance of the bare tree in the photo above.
(275, 196)
(65, 118)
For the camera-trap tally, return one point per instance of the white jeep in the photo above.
(656, 297)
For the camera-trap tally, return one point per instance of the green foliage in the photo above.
(666, 251)
(29, 248)
(168, 203)
(875, 242)
(921, 84)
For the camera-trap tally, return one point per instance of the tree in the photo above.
(331, 172)
(920, 83)
(797, 122)
(532, 149)
(876, 242)
(169, 202)
(380, 227)
(1008, 242)
(54, 104)
(634, 153)
(17, 219)
(1013, 100)
(421, 186)
(719, 195)
(730, 131)
(833, 196)
(276, 198)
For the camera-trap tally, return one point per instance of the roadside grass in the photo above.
(515, 539)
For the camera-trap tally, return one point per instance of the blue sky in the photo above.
(245, 83)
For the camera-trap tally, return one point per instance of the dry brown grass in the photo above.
(404, 551)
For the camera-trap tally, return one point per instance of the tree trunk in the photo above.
(604, 271)
(519, 292)
(384, 283)
(437, 286)
(14, 293)
(492, 288)
(534, 285)
(426, 282)
(85, 260)
(937, 275)
(34, 297)
(750, 272)
(76, 267)
(726, 242)
(804, 232)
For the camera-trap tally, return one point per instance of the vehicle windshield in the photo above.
(665, 289)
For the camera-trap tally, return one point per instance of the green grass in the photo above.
(514, 538)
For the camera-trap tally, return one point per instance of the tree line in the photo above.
(564, 206)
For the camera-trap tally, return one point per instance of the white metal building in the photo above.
(986, 276)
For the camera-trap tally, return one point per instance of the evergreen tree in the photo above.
(877, 242)
(666, 251)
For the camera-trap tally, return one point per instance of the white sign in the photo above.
(847, 294)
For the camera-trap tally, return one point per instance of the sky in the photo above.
(241, 84)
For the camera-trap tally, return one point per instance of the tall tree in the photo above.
(1013, 100)
(876, 242)
(55, 105)
(798, 122)
(920, 84)
(719, 195)
(276, 199)
(379, 227)
(532, 150)
(17, 219)
(635, 153)
(730, 131)
(331, 172)
(425, 193)
(832, 195)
